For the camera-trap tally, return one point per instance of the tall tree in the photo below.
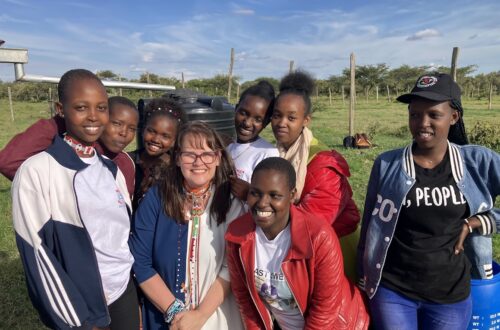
(403, 78)
(369, 76)
(107, 75)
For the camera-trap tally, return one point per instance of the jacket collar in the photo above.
(332, 159)
(300, 246)
(455, 159)
(67, 157)
(243, 232)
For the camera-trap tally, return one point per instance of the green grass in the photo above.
(16, 311)
(385, 122)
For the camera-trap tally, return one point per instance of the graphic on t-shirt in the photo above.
(273, 289)
(436, 196)
(240, 173)
(121, 200)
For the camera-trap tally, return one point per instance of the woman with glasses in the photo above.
(178, 237)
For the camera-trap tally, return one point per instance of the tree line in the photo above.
(371, 80)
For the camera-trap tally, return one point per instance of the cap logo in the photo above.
(426, 81)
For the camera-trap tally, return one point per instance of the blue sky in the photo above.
(195, 37)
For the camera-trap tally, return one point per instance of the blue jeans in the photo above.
(392, 311)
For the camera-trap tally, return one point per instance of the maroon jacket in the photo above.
(327, 193)
(313, 269)
(38, 137)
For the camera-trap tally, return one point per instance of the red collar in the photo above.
(80, 149)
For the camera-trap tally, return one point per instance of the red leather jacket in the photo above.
(327, 193)
(38, 137)
(313, 270)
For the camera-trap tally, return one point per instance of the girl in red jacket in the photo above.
(286, 268)
(322, 174)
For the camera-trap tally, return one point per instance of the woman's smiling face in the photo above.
(269, 200)
(430, 122)
(196, 171)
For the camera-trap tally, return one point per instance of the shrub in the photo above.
(485, 134)
(374, 128)
(318, 106)
(402, 132)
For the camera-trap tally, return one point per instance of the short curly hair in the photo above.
(280, 165)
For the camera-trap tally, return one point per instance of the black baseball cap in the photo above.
(435, 87)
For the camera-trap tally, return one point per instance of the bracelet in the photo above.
(468, 226)
(175, 308)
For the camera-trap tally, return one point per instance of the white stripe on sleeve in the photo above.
(59, 285)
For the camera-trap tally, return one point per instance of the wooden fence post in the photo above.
(120, 90)
(352, 95)
(491, 96)
(50, 100)
(150, 91)
(230, 75)
(51, 103)
(388, 94)
(290, 66)
(454, 56)
(10, 103)
(376, 91)
(330, 95)
(182, 80)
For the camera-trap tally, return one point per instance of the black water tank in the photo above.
(213, 110)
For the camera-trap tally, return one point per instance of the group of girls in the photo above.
(244, 236)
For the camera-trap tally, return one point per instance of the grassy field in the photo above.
(385, 122)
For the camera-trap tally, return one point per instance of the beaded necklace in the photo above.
(197, 200)
(81, 150)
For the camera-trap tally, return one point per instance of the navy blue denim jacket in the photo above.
(476, 171)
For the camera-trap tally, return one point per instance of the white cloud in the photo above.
(135, 68)
(371, 29)
(238, 9)
(241, 56)
(424, 34)
(17, 2)
(148, 57)
(319, 41)
(244, 11)
(82, 5)
(8, 19)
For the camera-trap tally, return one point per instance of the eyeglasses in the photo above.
(207, 157)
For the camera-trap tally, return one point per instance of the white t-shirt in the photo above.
(270, 281)
(105, 216)
(247, 155)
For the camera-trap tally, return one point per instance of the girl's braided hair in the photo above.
(457, 132)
